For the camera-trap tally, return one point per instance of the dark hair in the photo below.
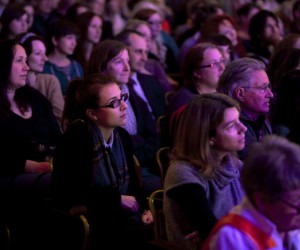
(102, 54)
(26, 39)
(72, 11)
(83, 94)
(83, 22)
(63, 27)
(7, 53)
(144, 14)
(257, 25)
(10, 13)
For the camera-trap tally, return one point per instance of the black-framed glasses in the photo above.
(262, 89)
(291, 205)
(214, 65)
(116, 103)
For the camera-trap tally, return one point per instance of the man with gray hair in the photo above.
(246, 80)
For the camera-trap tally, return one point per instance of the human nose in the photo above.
(269, 93)
(123, 105)
(26, 67)
(242, 127)
(126, 66)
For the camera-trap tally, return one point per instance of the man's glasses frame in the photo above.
(263, 89)
(116, 103)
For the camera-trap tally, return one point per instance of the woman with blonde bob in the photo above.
(202, 183)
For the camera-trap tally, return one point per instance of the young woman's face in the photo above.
(30, 13)
(66, 44)
(119, 67)
(230, 133)
(18, 26)
(271, 32)
(19, 68)
(110, 117)
(94, 31)
(227, 29)
(37, 58)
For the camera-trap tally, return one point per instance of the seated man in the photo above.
(269, 216)
(246, 80)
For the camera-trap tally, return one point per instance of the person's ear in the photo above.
(240, 94)
(54, 40)
(197, 74)
(90, 114)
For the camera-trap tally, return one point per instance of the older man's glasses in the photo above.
(262, 89)
(116, 103)
(214, 65)
(289, 204)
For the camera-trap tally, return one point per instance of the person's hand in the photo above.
(147, 217)
(37, 167)
(129, 203)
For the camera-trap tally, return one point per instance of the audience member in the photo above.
(29, 130)
(111, 57)
(225, 25)
(146, 86)
(93, 165)
(75, 10)
(90, 26)
(3, 4)
(64, 35)
(264, 35)
(47, 84)
(152, 66)
(289, 41)
(244, 15)
(202, 182)
(285, 118)
(14, 21)
(246, 80)
(268, 217)
(201, 70)
(162, 47)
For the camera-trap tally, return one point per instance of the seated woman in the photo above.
(47, 84)
(28, 128)
(202, 183)
(93, 164)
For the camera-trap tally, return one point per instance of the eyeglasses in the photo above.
(262, 89)
(291, 205)
(214, 65)
(116, 103)
(155, 22)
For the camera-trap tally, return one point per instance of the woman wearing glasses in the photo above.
(93, 165)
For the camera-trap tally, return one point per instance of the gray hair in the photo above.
(271, 167)
(238, 73)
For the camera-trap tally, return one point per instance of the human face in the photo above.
(66, 44)
(97, 6)
(30, 13)
(37, 58)
(230, 134)
(225, 52)
(155, 24)
(111, 117)
(145, 32)
(208, 75)
(18, 26)
(256, 98)
(94, 30)
(119, 68)
(45, 6)
(226, 28)
(138, 52)
(19, 69)
(271, 33)
(284, 212)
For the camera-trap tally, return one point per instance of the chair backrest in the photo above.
(169, 95)
(156, 208)
(162, 124)
(163, 161)
(138, 169)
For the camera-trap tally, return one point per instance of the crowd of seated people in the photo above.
(85, 85)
